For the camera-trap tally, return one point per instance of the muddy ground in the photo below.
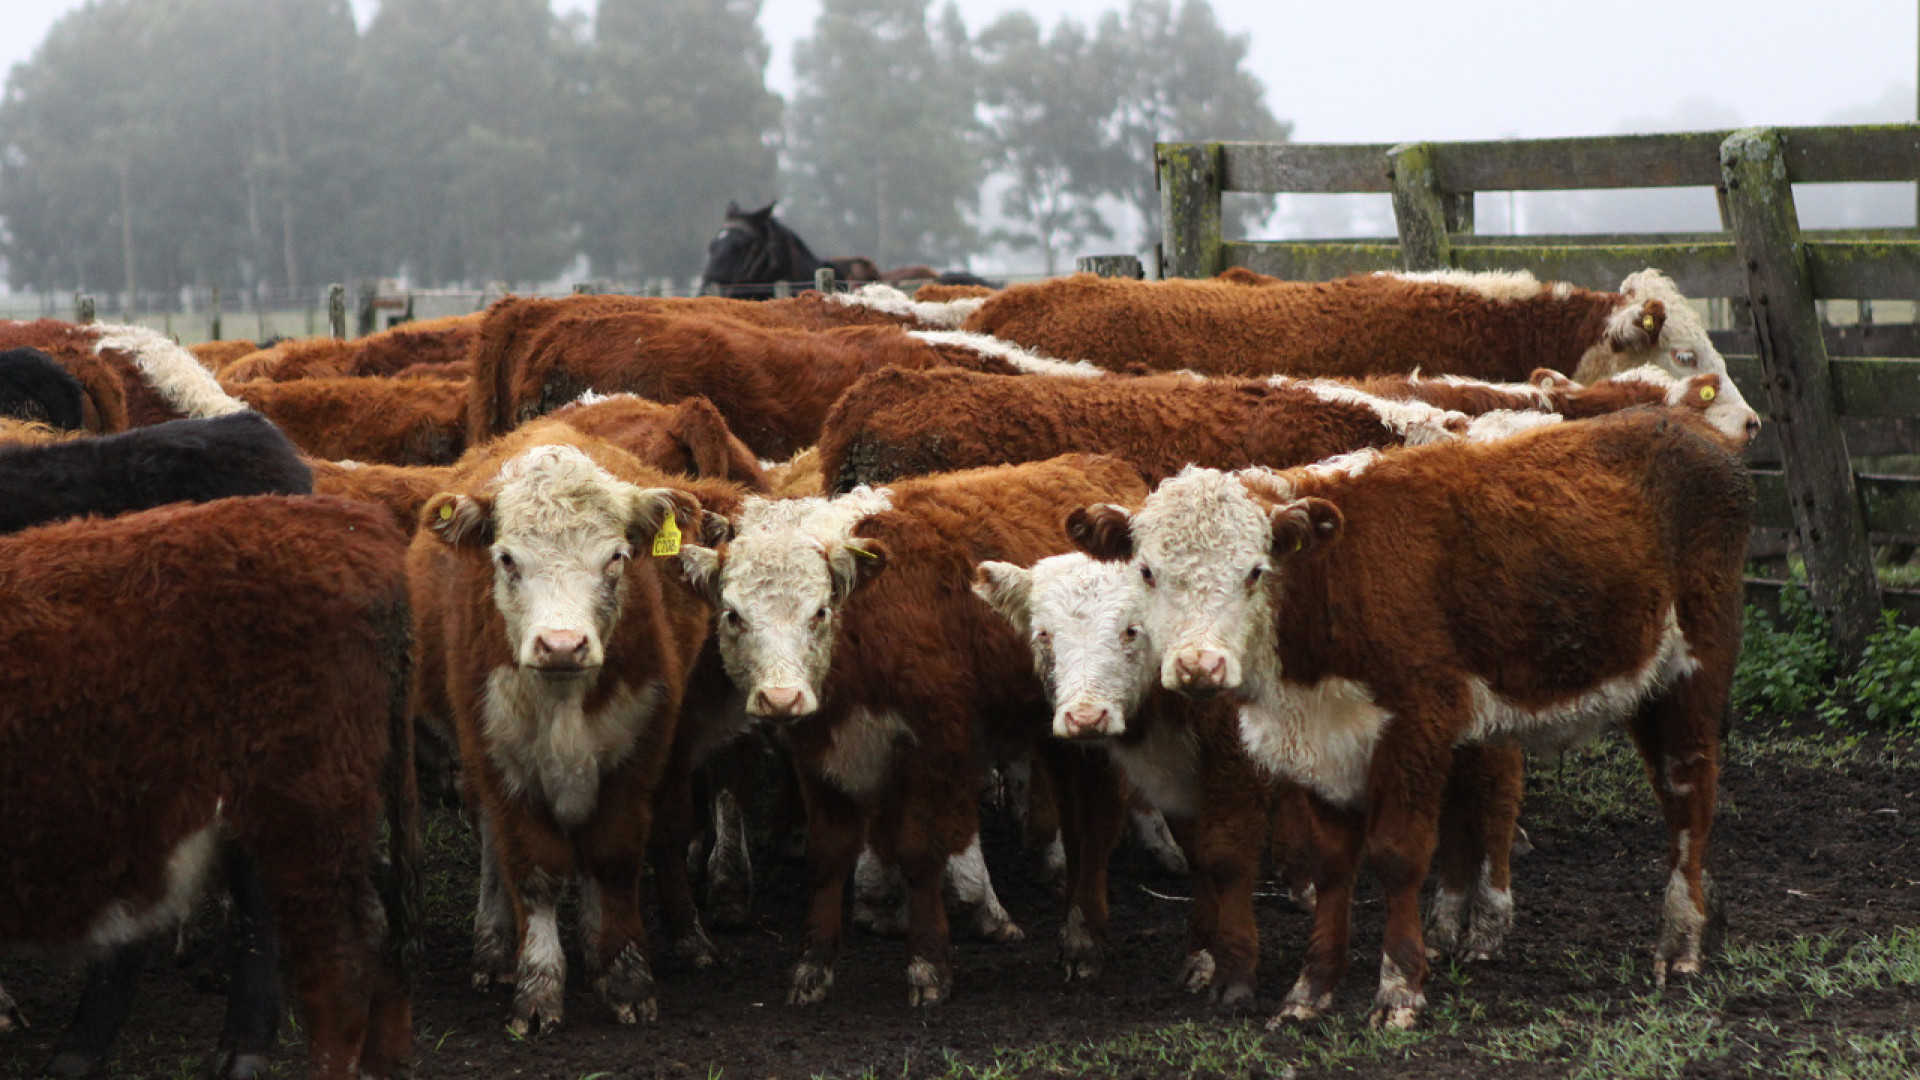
(1803, 849)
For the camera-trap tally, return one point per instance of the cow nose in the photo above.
(777, 701)
(560, 650)
(1753, 428)
(1203, 669)
(1087, 720)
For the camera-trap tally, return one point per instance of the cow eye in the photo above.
(1146, 573)
(731, 618)
(506, 562)
(1253, 576)
(1132, 633)
(821, 615)
(1685, 358)
(616, 562)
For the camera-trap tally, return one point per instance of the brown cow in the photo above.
(690, 437)
(512, 326)
(134, 376)
(388, 421)
(389, 352)
(214, 355)
(1085, 622)
(773, 386)
(906, 423)
(544, 628)
(1496, 326)
(848, 621)
(274, 630)
(1371, 613)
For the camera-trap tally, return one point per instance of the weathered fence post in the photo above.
(1189, 175)
(1418, 209)
(782, 290)
(823, 280)
(82, 308)
(213, 316)
(366, 315)
(1793, 358)
(1113, 266)
(337, 311)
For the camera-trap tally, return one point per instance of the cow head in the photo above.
(561, 533)
(1208, 553)
(779, 587)
(1085, 620)
(1711, 396)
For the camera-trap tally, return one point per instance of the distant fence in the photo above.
(1830, 390)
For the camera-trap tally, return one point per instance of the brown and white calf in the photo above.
(1368, 614)
(849, 622)
(1086, 623)
(546, 628)
(241, 670)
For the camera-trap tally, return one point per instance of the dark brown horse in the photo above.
(754, 250)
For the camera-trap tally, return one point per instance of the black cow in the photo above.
(34, 387)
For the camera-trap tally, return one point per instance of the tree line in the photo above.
(272, 145)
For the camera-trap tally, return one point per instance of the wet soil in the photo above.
(1799, 851)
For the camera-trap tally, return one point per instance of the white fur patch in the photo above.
(1491, 284)
(946, 315)
(186, 875)
(1504, 423)
(1028, 361)
(1320, 736)
(188, 388)
(1537, 396)
(591, 396)
(1554, 729)
(548, 746)
(861, 756)
(1416, 422)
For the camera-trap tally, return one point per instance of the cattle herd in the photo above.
(1300, 569)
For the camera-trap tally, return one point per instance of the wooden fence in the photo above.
(1825, 390)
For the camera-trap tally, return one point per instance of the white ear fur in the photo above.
(1007, 589)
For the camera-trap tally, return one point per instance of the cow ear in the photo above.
(1006, 588)
(700, 568)
(459, 521)
(1102, 531)
(855, 563)
(1303, 525)
(715, 529)
(648, 512)
(1636, 326)
(1548, 379)
(702, 432)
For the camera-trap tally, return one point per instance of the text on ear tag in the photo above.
(667, 540)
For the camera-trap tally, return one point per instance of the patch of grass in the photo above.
(1885, 685)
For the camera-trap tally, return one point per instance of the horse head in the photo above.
(753, 249)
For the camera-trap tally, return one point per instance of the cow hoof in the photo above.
(696, 950)
(632, 1012)
(536, 1007)
(1232, 995)
(1301, 1006)
(1304, 898)
(1393, 1017)
(227, 1065)
(927, 984)
(73, 1064)
(1080, 954)
(810, 984)
(1196, 974)
(532, 1023)
(627, 987)
(1001, 931)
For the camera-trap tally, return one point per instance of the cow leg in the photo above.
(1229, 837)
(1203, 921)
(879, 895)
(667, 847)
(253, 992)
(495, 937)
(1290, 842)
(970, 894)
(1473, 906)
(1041, 819)
(83, 1047)
(1150, 831)
(835, 828)
(1406, 784)
(535, 863)
(332, 930)
(1678, 735)
(611, 851)
(938, 815)
(729, 865)
(1092, 819)
(1336, 836)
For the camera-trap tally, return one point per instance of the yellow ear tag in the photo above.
(667, 540)
(446, 511)
(862, 552)
(1647, 323)
(1706, 393)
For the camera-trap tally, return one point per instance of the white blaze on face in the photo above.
(560, 555)
(1085, 621)
(787, 571)
(1202, 547)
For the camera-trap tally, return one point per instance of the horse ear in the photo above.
(762, 215)
(733, 208)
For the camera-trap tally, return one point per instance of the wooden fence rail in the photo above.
(1826, 389)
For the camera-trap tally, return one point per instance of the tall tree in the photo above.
(885, 153)
(462, 106)
(1185, 80)
(674, 118)
(1047, 105)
